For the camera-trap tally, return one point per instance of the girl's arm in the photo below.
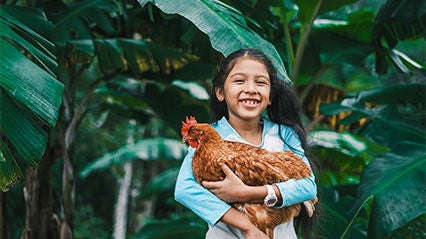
(232, 189)
(195, 197)
(296, 191)
(237, 219)
(207, 206)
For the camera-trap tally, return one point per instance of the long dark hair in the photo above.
(285, 109)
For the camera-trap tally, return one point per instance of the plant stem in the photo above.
(304, 32)
(289, 43)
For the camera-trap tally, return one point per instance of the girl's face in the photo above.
(246, 90)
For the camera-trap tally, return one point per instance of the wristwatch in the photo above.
(270, 199)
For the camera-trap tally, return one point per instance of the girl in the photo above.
(244, 86)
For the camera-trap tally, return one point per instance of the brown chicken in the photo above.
(253, 165)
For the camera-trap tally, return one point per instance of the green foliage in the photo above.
(225, 26)
(345, 155)
(145, 149)
(15, 212)
(411, 230)
(161, 183)
(119, 85)
(30, 94)
(88, 225)
(310, 9)
(135, 57)
(393, 181)
(395, 107)
(335, 202)
(82, 19)
(397, 21)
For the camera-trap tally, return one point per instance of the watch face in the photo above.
(271, 201)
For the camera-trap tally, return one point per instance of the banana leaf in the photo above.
(345, 155)
(145, 149)
(225, 26)
(30, 94)
(397, 21)
(134, 57)
(308, 8)
(393, 182)
(83, 19)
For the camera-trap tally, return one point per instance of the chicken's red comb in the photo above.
(185, 125)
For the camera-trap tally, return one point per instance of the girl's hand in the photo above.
(254, 233)
(237, 219)
(231, 189)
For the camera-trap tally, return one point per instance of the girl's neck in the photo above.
(251, 130)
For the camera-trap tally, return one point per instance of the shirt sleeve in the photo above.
(198, 199)
(296, 191)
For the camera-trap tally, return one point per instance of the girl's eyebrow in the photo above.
(243, 74)
(237, 73)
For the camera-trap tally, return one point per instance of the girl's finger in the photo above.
(209, 184)
(226, 169)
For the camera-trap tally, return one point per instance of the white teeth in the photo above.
(250, 102)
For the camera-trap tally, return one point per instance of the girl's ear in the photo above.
(219, 94)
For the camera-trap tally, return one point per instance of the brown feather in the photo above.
(254, 166)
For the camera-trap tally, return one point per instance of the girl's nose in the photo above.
(250, 88)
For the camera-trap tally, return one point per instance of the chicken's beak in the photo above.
(184, 139)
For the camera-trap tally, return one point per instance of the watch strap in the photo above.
(270, 189)
(271, 198)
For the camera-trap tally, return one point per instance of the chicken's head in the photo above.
(185, 131)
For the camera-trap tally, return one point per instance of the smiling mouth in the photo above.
(250, 102)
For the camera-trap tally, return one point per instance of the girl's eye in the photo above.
(261, 82)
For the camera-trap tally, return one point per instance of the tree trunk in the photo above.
(3, 232)
(68, 190)
(120, 220)
(41, 219)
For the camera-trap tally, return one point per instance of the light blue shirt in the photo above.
(209, 207)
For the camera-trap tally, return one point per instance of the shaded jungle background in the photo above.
(93, 93)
